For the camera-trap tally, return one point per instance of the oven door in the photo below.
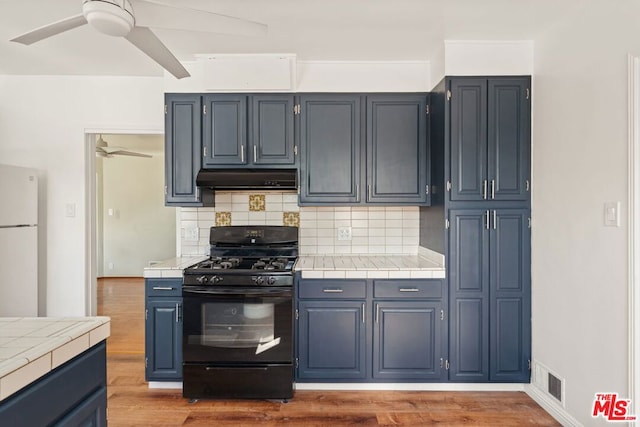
(237, 325)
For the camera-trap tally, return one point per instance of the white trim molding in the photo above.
(634, 231)
(548, 404)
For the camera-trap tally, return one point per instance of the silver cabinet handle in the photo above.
(197, 194)
(177, 312)
(332, 290)
(409, 290)
(163, 288)
(363, 320)
(377, 312)
(487, 220)
(484, 189)
(255, 152)
(493, 189)
(242, 153)
(495, 220)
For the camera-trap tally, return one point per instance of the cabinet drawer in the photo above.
(163, 287)
(344, 289)
(407, 289)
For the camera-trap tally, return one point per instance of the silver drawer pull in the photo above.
(332, 290)
(409, 290)
(162, 288)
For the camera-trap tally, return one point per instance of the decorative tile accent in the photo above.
(223, 218)
(257, 202)
(291, 219)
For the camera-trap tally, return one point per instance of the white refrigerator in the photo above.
(18, 241)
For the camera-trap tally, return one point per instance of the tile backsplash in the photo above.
(373, 229)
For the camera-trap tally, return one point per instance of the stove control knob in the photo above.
(202, 279)
(259, 280)
(216, 279)
(271, 280)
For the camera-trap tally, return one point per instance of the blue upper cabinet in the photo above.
(364, 148)
(330, 142)
(271, 134)
(397, 149)
(248, 130)
(225, 130)
(183, 138)
(489, 138)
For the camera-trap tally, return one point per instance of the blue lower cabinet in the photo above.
(490, 295)
(370, 330)
(331, 340)
(407, 340)
(163, 329)
(74, 394)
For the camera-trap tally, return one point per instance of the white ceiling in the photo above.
(311, 29)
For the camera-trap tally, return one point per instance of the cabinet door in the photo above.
(225, 129)
(163, 330)
(91, 412)
(397, 149)
(469, 294)
(271, 131)
(182, 149)
(509, 138)
(407, 340)
(468, 139)
(510, 288)
(331, 340)
(330, 147)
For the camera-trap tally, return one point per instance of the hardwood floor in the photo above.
(132, 403)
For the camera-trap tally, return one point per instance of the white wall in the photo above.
(42, 125)
(137, 227)
(579, 266)
(487, 58)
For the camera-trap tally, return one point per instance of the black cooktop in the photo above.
(250, 264)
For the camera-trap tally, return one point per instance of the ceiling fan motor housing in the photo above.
(114, 18)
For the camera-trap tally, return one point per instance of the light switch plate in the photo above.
(612, 214)
(70, 210)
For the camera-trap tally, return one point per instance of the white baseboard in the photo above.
(411, 386)
(165, 384)
(555, 410)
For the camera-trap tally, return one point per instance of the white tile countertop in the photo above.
(368, 267)
(172, 267)
(30, 347)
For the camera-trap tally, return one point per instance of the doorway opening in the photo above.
(128, 226)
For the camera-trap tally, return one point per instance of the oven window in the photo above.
(237, 325)
(237, 328)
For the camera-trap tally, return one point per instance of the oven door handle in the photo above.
(254, 292)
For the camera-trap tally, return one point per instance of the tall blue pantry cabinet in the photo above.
(487, 210)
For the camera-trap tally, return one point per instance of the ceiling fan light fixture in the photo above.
(109, 17)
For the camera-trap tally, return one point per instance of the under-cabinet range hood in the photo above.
(247, 179)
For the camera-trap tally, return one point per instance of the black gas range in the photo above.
(247, 256)
(238, 315)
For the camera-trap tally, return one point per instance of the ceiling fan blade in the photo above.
(51, 30)
(129, 153)
(144, 39)
(159, 15)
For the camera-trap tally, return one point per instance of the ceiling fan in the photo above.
(118, 18)
(103, 150)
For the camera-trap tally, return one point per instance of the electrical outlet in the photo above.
(344, 233)
(110, 266)
(191, 234)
